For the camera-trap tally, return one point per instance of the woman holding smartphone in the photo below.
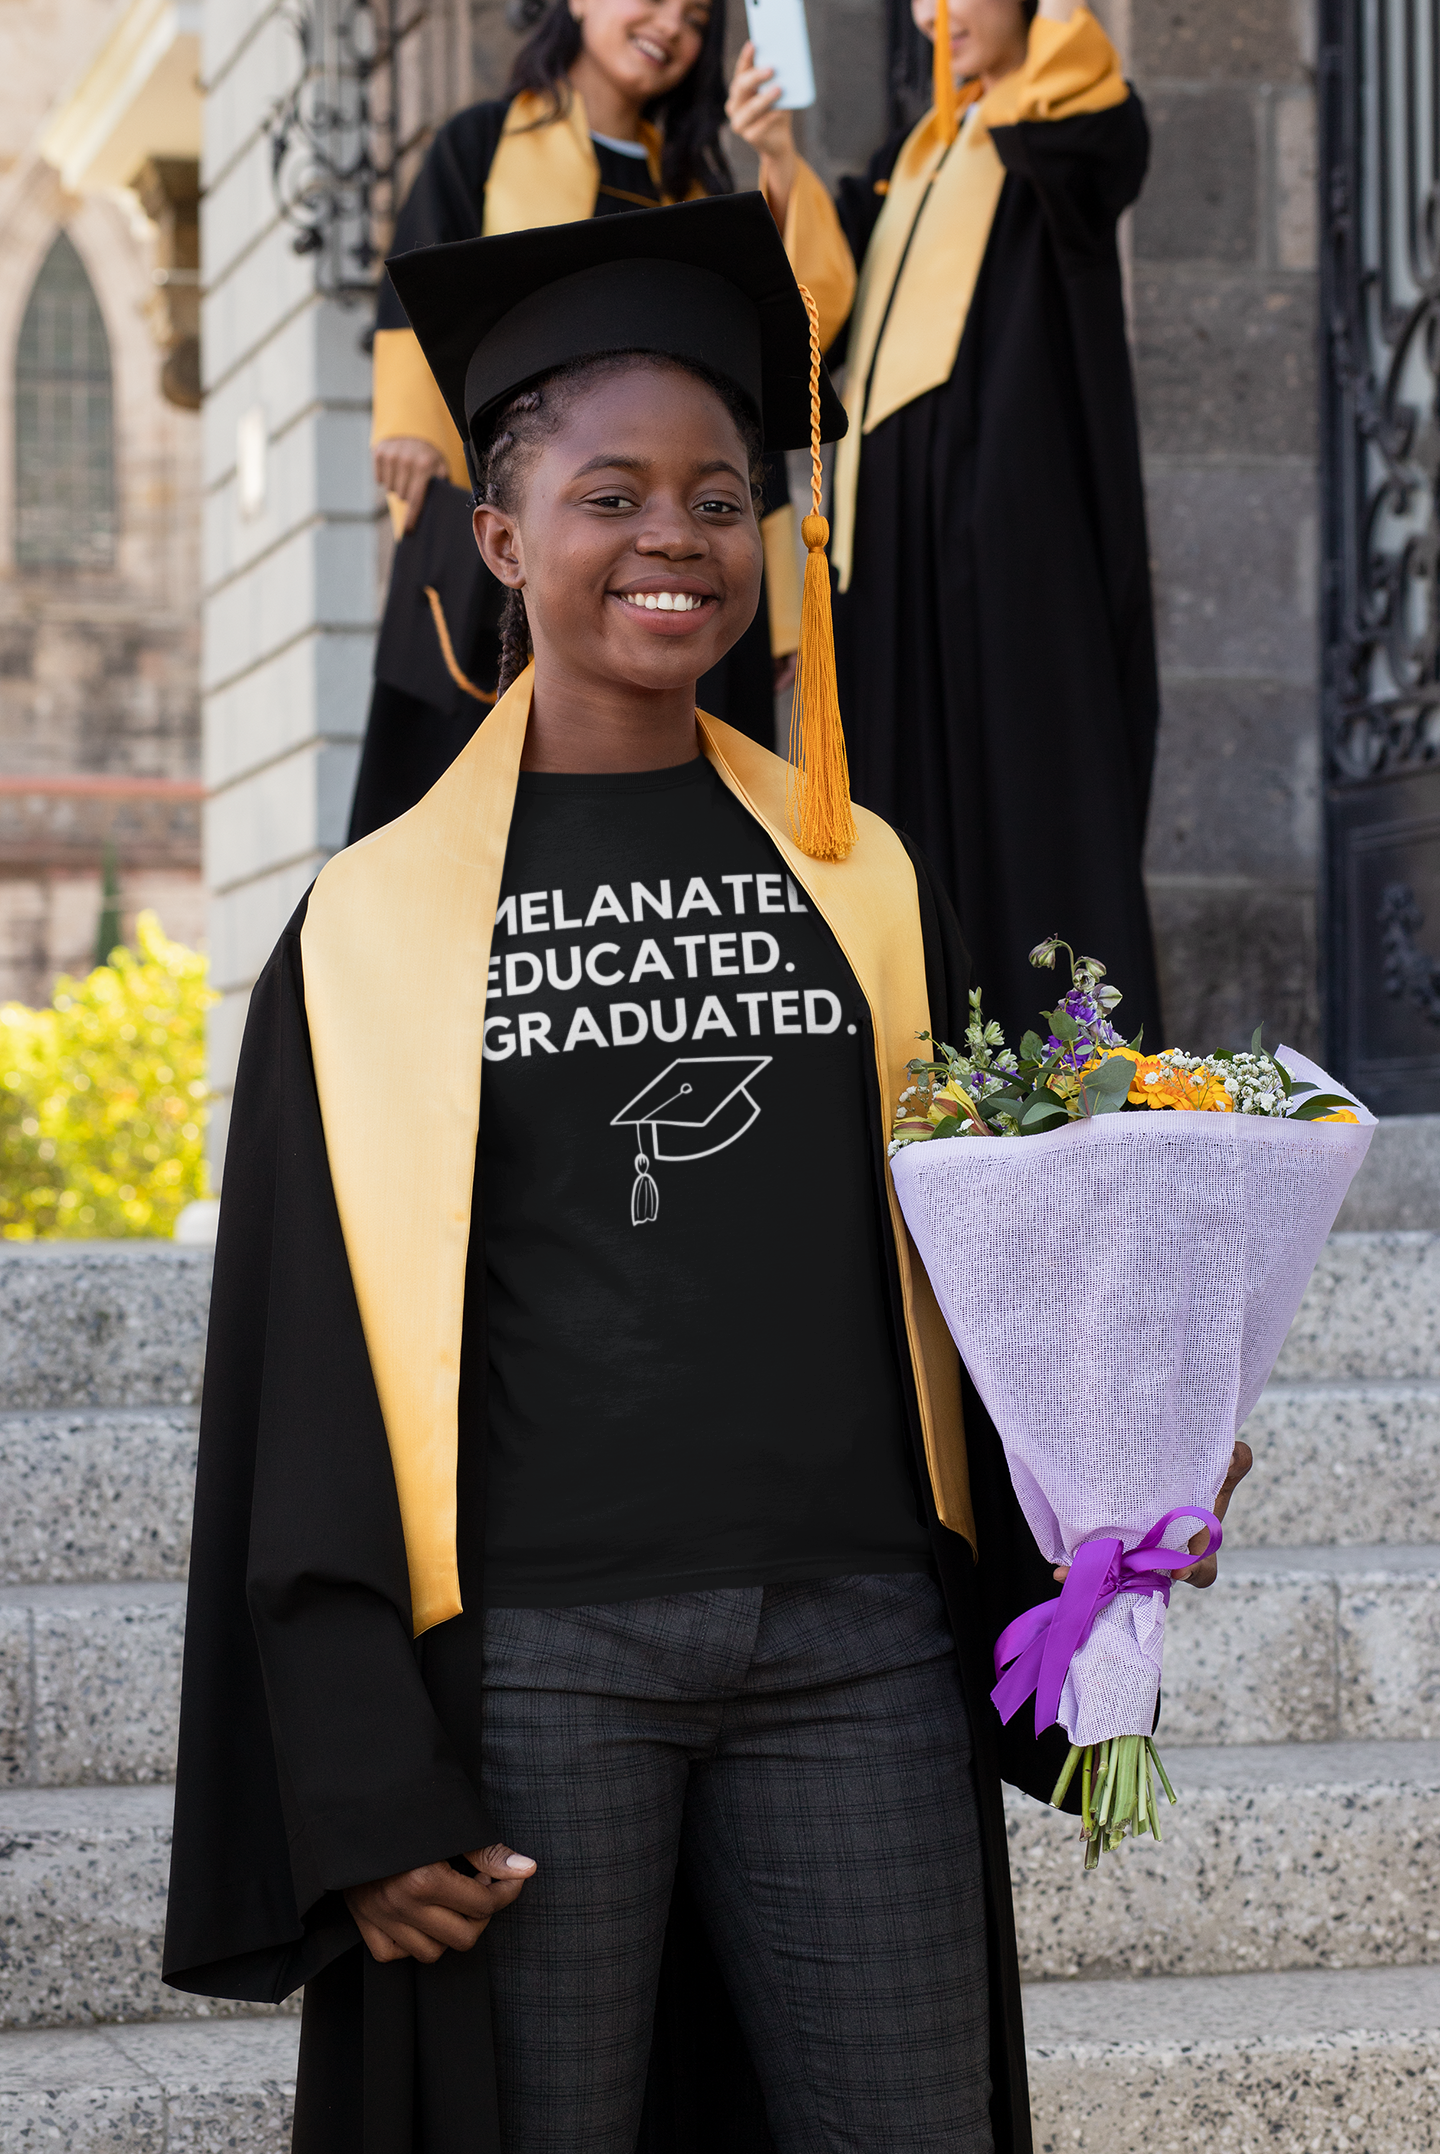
(613, 105)
(994, 631)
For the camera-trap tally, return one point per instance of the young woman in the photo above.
(612, 105)
(993, 625)
(587, 1663)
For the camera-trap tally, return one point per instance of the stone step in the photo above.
(1231, 2064)
(1319, 1856)
(123, 1323)
(1341, 1463)
(1228, 2064)
(83, 1875)
(1176, 2066)
(89, 1683)
(1371, 1313)
(1306, 1645)
(101, 1324)
(1280, 1856)
(178, 2089)
(106, 1495)
(1291, 1645)
(96, 1495)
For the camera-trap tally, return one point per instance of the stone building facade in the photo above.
(99, 514)
(1224, 295)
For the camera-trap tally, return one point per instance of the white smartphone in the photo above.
(781, 40)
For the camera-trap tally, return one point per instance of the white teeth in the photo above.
(666, 601)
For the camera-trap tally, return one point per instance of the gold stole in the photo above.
(544, 170)
(915, 290)
(396, 950)
(924, 255)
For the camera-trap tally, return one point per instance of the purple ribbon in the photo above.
(1035, 1651)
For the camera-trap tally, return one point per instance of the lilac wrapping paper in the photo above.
(1120, 1291)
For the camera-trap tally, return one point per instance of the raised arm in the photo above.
(1068, 122)
(814, 240)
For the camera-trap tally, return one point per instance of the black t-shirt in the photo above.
(693, 1376)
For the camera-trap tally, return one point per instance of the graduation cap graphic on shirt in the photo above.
(706, 1095)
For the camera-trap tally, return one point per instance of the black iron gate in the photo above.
(1380, 162)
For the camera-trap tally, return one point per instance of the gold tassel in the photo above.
(820, 813)
(946, 109)
(447, 649)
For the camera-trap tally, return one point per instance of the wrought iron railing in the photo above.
(372, 79)
(1381, 302)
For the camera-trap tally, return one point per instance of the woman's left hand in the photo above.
(750, 109)
(1242, 1458)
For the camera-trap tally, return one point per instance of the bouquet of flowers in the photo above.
(1119, 1288)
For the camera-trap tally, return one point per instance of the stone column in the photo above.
(1224, 298)
(289, 531)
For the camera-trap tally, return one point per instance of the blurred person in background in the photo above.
(994, 631)
(613, 106)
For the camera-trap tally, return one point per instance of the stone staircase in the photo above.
(1269, 1977)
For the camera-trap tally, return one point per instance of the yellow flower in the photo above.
(1208, 1093)
(1341, 1114)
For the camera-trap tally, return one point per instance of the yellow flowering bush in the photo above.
(102, 1096)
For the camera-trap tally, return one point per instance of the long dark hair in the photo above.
(689, 117)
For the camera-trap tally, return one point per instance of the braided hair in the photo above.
(537, 412)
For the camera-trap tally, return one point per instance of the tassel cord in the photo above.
(447, 649)
(820, 812)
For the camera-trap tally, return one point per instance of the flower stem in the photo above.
(1164, 1776)
(1063, 1783)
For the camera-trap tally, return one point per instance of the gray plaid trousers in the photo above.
(804, 1752)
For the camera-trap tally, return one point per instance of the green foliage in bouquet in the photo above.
(101, 1097)
(1084, 1067)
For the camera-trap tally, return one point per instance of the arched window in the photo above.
(64, 437)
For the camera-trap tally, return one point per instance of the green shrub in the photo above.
(101, 1097)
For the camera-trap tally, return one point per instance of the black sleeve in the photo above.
(947, 960)
(1085, 170)
(310, 1755)
(447, 201)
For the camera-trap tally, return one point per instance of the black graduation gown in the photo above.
(420, 718)
(319, 1746)
(996, 646)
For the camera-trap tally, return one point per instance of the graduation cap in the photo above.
(705, 1093)
(706, 282)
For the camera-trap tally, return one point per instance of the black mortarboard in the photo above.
(707, 281)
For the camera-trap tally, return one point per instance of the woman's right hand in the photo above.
(405, 466)
(418, 1914)
(750, 109)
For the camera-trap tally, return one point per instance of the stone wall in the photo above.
(1224, 297)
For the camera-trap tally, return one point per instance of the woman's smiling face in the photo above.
(645, 47)
(632, 529)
